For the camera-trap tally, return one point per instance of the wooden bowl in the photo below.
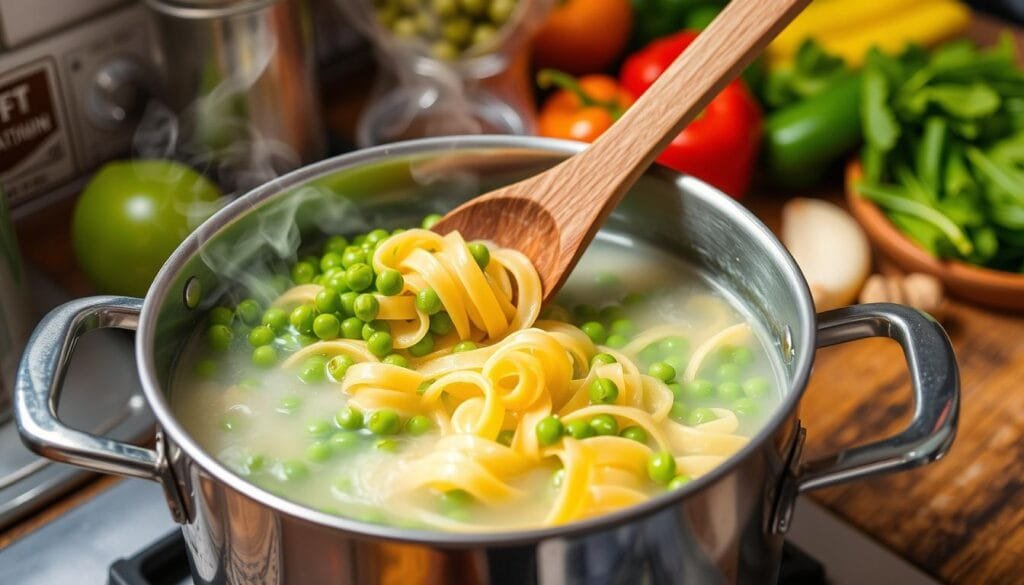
(992, 288)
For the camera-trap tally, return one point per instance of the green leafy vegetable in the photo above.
(813, 71)
(944, 149)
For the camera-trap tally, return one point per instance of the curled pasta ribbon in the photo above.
(485, 304)
(469, 463)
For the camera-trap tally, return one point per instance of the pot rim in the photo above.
(162, 286)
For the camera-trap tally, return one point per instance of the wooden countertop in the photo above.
(960, 520)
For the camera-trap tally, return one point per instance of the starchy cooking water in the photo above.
(280, 433)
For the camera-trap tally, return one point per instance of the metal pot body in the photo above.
(725, 527)
(240, 79)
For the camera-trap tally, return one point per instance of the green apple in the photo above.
(132, 215)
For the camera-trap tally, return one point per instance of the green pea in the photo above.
(338, 366)
(294, 470)
(602, 359)
(249, 312)
(206, 369)
(261, 335)
(373, 327)
(755, 387)
(318, 451)
(673, 345)
(377, 235)
(352, 328)
(651, 353)
(264, 356)
(359, 240)
(318, 280)
(418, 425)
(603, 391)
(624, 327)
(390, 282)
(221, 316)
(353, 255)
(604, 424)
(676, 361)
(744, 407)
(616, 341)
(699, 416)
(336, 282)
(677, 390)
(302, 318)
(458, 32)
(678, 412)
(430, 221)
(331, 260)
(380, 344)
(288, 404)
(661, 467)
(579, 429)
(313, 370)
(729, 391)
(319, 427)
(549, 430)
(500, 10)
(254, 463)
(441, 323)
(742, 356)
(454, 503)
(483, 34)
(505, 437)
(662, 371)
(348, 303)
(428, 301)
(366, 307)
(481, 254)
(396, 359)
(634, 433)
(276, 319)
(595, 331)
(326, 326)
(678, 481)
(349, 418)
(359, 277)
(423, 346)
(728, 372)
(327, 301)
(463, 346)
(384, 422)
(344, 441)
(219, 337)
(336, 244)
(303, 273)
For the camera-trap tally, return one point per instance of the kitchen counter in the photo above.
(960, 520)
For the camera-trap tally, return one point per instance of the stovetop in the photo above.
(125, 536)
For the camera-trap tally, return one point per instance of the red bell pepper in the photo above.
(720, 146)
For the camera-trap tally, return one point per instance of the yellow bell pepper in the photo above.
(848, 28)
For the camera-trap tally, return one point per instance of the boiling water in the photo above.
(268, 425)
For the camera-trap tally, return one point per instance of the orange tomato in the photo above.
(583, 36)
(564, 114)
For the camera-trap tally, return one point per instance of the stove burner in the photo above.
(165, 562)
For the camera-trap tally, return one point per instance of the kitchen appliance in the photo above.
(74, 79)
(240, 85)
(726, 526)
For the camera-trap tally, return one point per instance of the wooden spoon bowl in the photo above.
(984, 286)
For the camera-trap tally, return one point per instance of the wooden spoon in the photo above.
(553, 216)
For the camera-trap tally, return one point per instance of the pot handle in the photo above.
(935, 381)
(39, 383)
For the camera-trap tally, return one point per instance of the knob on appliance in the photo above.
(118, 93)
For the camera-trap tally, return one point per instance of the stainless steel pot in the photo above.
(725, 527)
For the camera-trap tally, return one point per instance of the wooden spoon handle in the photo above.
(617, 159)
